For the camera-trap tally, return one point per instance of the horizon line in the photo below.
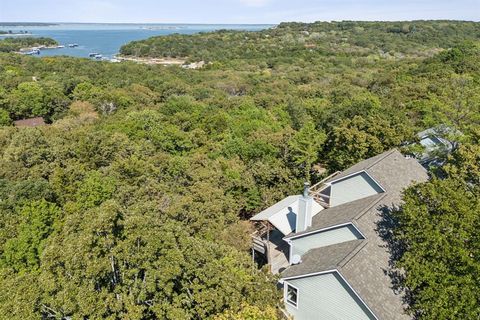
(4, 23)
(72, 22)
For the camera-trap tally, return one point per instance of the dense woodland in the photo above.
(132, 202)
(309, 41)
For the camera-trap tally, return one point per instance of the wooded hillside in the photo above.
(131, 203)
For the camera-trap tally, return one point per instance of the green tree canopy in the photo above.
(438, 229)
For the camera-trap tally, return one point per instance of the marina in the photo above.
(37, 51)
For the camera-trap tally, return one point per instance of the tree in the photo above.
(123, 264)
(363, 137)
(438, 231)
(27, 100)
(464, 163)
(4, 118)
(23, 252)
(248, 312)
(304, 147)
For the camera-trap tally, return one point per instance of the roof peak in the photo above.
(381, 156)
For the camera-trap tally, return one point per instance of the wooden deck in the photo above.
(274, 250)
(279, 251)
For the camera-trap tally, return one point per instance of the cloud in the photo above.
(255, 3)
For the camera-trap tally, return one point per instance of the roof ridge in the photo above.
(367, 208)
(353, 253)
(386, 154)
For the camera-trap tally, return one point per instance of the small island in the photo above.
(26, 44)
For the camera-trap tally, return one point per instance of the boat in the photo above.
(73, 45)
(93, 54)
(60, 46)
(31, 52)
(98, 56)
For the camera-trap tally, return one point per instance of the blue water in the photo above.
(106, 39)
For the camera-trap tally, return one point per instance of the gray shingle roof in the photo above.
(395, 172)
(363, 165)
(364, 263)
(323, 259)
(390, 169)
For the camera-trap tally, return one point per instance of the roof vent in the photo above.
(296, 259)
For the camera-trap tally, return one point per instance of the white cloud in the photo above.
(255, 3)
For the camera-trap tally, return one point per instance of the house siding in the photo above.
(353, 188)
(326, 297)
(322, 239)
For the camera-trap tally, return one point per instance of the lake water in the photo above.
(106, 39)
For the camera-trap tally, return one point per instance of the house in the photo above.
(328, 244)
(32, 122)
(436, 147)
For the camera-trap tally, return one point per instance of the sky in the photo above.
(233, 11)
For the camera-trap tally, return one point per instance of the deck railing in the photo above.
(260, 240)
(317, 188)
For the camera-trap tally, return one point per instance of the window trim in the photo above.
(358, 173)
(286, 295)
(337, 226)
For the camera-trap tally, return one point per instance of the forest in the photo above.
(132, 202)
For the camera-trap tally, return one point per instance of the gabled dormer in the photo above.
(352, 187)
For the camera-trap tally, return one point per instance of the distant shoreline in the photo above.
(41, 24)
(16, 34)
(26, 24)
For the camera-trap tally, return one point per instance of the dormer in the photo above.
(352, 187)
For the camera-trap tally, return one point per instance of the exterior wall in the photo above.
(304, 215)
(326, 297)
(353, 188)
(322, 239)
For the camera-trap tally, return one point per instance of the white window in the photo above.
(291, 295)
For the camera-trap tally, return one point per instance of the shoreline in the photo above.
(162, 61)
(39, 48)
(15, 34)
(29, 50)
